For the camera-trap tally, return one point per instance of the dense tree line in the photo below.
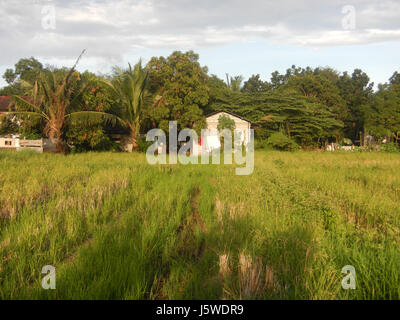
(307, 106)
(314, 106)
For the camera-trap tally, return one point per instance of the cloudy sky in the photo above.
(237, 37)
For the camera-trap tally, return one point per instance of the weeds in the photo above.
(117, 228)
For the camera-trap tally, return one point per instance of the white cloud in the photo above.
(111, 29)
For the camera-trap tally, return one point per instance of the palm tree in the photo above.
(54, 96)
(130, 88)
(234, 83)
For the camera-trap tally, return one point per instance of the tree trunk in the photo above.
(135, 145)
(60, 146)
(54, 137)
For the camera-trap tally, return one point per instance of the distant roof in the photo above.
(4, 103)
(232, 114)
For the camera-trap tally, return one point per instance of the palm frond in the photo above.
(28, 113)
(109, 85)
(79, 94)
(20, 102)
(71, 71)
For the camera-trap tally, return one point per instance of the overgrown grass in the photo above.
(117, 228)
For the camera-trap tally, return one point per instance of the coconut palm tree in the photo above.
(130, 88)
(234, 83)
(54, 96)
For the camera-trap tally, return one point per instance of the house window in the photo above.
(8, 143)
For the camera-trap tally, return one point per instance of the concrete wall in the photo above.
(240, 125)
(18, 144)
(35, 145)
(5, 143)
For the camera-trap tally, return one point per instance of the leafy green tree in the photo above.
(214, 82)
(309, 123)
(278, 80)
(90, 135)
(395, 78)
(327, 73)
(382, 119)
(83, 136)
(320, 90)
(24, 70)
(357, 92)
(179, 87)
(224, 122)
(255, 84)
(301, 118)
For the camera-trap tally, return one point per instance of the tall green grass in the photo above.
(117, 228)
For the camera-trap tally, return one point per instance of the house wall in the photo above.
(8, 143)
(212, 126)
(240, 125)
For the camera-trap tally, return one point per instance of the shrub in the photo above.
(279, 141)
(390, 147)
(224, 122)
(143, 145)
(347, 142)
(88, 137)
(30, 135)
(260, 144)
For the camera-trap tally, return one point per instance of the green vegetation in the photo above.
(224, 122)
(117, 228)
(180, 91)
(129, 87)
(281, 142)
(55, 98)
(310, 106)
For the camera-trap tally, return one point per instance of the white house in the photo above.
(212, 141)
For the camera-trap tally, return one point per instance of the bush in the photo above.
(279, 141)
(260, 144)
(89, 137)
(143, 145)
(30, 135)
(390, 147)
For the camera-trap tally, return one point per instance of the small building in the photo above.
(13, 142)
(211, 140)
(9, 143)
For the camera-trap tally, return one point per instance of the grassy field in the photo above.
(117, 228)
